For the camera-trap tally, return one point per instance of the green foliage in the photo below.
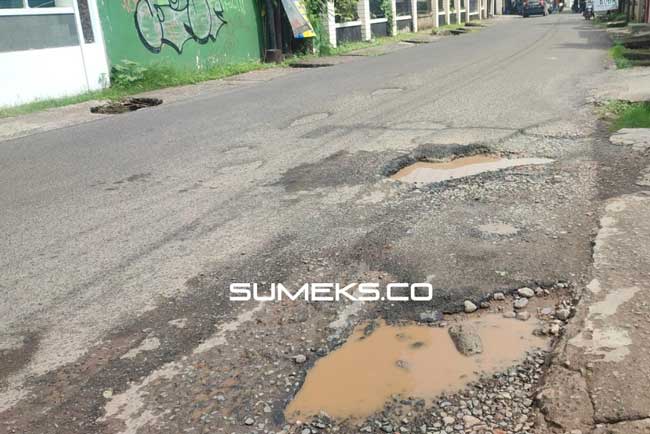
(386, 7)
(626, 114)
(635, 115)
(346, 10)
(127, 73)
(316, 10)
(611, 16)
(617, 53)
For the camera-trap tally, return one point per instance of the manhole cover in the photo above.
(125, 105)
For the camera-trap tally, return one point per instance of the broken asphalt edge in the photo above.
(596, 383)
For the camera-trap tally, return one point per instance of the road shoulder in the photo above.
(599, 376)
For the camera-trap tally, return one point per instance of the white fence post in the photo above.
(363, 10)
(329, 23)
(393, 24)
(414, 15)
(445, 3)
(435, 10)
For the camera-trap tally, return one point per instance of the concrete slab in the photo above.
(565, 400)
(601, 370)
(47, 120)
(610, 341)
(631, 84)
(644, 178)
(632, 427)
(637, 138)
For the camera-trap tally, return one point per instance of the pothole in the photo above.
(423, 172)
(125, 105)
(416, 361)
(307, 119)
(314, 64)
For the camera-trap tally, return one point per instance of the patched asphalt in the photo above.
(119, 230)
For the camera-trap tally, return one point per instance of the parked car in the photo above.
(533, 7)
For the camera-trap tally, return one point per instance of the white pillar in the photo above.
(435, 9)
(414, 15)
(363, 10)
(329, 23)
(393, 24)
(457, 7)
(445, 5)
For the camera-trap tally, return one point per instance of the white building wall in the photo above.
(33, 73)
(41, 74)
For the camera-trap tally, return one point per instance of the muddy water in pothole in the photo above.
(426, 172)
(417, 361)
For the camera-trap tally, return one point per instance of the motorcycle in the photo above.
(588, 11)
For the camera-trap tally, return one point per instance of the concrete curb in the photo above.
(600, 371)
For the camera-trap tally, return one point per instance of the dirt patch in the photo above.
(498, 229)
(15, 355)
(411, 360)
(125, 105)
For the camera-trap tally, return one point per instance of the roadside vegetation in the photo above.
(446, 28)
(614, 19)
(617, 54)
(625, 114)
(129, 78)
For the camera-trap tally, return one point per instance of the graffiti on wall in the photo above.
(174, 22)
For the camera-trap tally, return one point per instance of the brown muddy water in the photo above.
(426, 172)
(411, 361)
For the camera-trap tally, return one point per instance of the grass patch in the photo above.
(636, 115)
(610, 18)
(348, 47)
(352, 46)
(625, 114)
(139, 79)
(616, 53)
(448, 27)
(49, 103)
(374, 42)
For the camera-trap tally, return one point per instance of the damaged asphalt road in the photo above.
(121, 236)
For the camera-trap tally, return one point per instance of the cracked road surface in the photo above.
(121, 235)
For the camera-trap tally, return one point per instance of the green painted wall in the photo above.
(183, 33)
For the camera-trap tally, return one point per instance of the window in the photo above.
(11, 4)
(20, 4)
(403, 7)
